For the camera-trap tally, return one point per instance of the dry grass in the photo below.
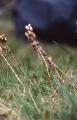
(37, 89)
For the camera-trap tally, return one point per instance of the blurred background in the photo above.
(56, 22)
(6, 19)
(8, 27)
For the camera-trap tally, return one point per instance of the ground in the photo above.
(37, 98)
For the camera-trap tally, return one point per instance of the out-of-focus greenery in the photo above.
(37, 103)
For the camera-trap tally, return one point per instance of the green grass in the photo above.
(37, 103)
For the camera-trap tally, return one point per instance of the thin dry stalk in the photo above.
(45, 58)
(34, 101)
(45, 64)
(12, 70)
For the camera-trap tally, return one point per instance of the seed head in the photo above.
(3, 39)
(29, 32)
(29, 27)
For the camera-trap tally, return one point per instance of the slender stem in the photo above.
(54, 92)
(34, 101)
(45, 63)
(12, 70)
